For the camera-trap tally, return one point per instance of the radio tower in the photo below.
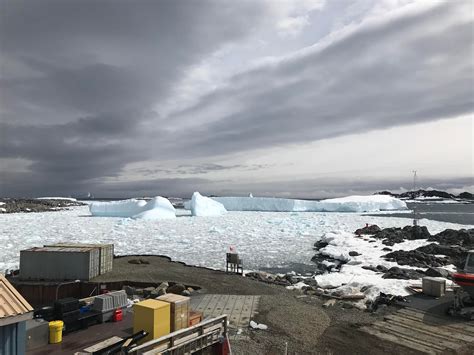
(415, 221)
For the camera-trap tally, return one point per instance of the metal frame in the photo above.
(234, 263)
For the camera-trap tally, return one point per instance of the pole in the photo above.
(415, 222)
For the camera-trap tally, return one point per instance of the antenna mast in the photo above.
(415, 220)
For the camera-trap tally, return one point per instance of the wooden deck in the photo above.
(425, 332)
(240, 309)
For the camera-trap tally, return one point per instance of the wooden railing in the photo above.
(186, 341)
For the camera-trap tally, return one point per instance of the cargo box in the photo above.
(180, 307)
(152, 316)
(434, 286)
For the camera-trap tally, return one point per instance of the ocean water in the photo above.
(443, 212)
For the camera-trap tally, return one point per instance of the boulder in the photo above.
(415, 258)
(372, 229)
(456, 254)
(393, 236)
(353, 253)
(403, 274)
(437, 272)
(462, 237)
(177, 289)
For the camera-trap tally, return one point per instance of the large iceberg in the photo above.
(205, 206)
(157, 208)
(373, 203)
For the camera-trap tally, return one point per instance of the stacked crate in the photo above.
(106, 253)
(104, 304)
(180, 307)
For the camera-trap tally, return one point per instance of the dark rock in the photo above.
(320, 244)
(147, 291)
(384, 300)
(311, 282)
(387, 249)
(372, 229)
(456, 254)
(415, 258)
(391, 236)
(437, 272)
(382, 268)
(466, 195)
(130, 291)
(186, 293)
(403, 274)
(177, 289)
(353, 253)
(462, 237)
(370, 267)
(134, 261)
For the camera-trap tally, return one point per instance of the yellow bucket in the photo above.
(56, 331)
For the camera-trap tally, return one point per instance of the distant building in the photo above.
(14, 312)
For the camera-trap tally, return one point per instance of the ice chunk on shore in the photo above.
(205, 206)
(57, 198)
(157, 208)
(372, 203)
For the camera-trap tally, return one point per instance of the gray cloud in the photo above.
(81, 83)
(386, 75)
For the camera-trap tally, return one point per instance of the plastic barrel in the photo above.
(56, 331)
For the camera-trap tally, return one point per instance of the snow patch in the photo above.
(57, 198)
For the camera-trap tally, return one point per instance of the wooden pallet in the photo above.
(424, 332)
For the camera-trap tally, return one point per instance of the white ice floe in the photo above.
(371, 203)
(57, 198)
(157, 208)
(202, 206)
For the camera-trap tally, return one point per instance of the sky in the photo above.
(306, 98)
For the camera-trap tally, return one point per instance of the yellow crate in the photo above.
(152, 316)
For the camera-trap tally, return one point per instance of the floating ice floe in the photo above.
(57, 198)
(205, 206)
(372, 203)
(157, 208)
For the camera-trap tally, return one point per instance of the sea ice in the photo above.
(205, 206)
(275, 241)
(157, 208)
(373, 203)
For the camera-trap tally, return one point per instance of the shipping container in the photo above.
(106, 253)
(57, 263)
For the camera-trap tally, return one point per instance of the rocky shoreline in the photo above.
(23, 205)
(447, 247)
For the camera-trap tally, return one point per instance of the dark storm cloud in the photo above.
(78, 79)
(79, 83)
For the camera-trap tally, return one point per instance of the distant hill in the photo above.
(428, 194)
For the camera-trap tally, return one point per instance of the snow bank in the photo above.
(372, 203)
(157, 208)
(205, 206)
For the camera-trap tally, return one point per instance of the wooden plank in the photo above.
(411, 333)
(404, 342)
(235, 315)
(430, 318)
(441, 330)
(103, 344)
(219, 306)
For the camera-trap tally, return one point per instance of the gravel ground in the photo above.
(293, 319)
